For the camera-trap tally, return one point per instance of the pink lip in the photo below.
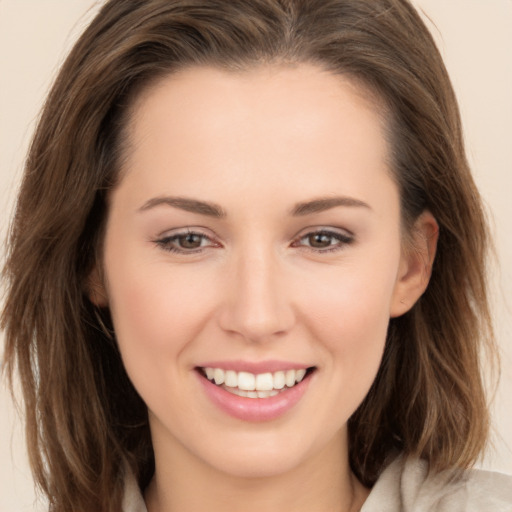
(254, 409)
(255, 367)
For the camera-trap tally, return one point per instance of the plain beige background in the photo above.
(475, 37)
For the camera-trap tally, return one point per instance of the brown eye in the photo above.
(186, 243)
(324, 241)
(190, 241)
(320, 240)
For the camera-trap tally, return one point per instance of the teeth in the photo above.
(218, 376)
(290, 378)
(231, 379)
(279, 380)
(252, 394)
(299, 375)
(264, 382)
(246, 381)
(250, 385)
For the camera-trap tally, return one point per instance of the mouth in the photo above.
(251, 385)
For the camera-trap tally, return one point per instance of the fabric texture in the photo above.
(406, 486)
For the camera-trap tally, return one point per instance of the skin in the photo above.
(258, 287)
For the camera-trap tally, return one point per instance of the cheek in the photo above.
(155, 314)
(354, 338)
(353, 300)
(350, 317)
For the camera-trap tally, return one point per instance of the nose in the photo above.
(257, 305)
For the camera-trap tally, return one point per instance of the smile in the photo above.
(256, 395)
(250, 385)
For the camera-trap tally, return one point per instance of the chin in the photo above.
(252, 465)
(270, 455)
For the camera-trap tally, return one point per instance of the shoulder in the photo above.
(406, 486)
(133, 500)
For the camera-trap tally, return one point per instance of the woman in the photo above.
(231, 280)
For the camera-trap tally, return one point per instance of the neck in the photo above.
(323, 482)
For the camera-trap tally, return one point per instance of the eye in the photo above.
(188, 242)
(324, 240)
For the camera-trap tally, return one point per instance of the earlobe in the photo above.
(415, 264)
(96, 289)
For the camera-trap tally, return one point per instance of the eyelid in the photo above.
(344, 237)
(335, 231)
(165, 239)
(185, 230)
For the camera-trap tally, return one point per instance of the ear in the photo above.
(415, 264)
(95, 288)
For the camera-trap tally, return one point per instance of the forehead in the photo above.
(304, 96)
(204, 126)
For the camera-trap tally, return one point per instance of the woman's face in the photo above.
(255, 231)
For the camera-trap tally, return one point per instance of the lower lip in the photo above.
(255, 409)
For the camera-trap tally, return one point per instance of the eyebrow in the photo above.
(326, 203)
(213, 210)
(189, 205)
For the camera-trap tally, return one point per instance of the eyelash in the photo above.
(167, 242)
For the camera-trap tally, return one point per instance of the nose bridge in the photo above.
(257, 306)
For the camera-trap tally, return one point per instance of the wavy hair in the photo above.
(85, 421)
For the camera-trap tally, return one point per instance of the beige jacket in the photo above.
(404, 486)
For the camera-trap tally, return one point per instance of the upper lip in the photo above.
(255, 367)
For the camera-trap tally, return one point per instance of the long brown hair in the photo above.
(85, 421)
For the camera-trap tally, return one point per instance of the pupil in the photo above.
(319, 240)
(190, 241)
